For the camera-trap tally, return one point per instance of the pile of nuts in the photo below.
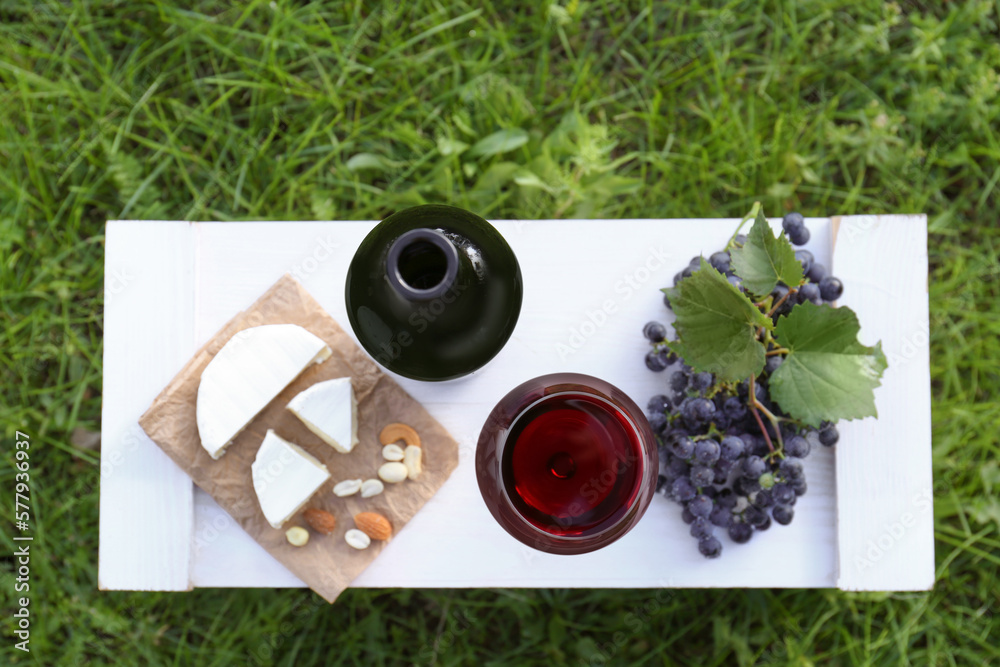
(402, 463)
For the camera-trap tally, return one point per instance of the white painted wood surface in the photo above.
(885, 490)
(590, 285)
(146, 511)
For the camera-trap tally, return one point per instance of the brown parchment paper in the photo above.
(327, 564)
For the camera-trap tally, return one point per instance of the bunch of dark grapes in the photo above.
(728, 467)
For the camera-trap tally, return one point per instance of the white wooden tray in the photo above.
(866, 522)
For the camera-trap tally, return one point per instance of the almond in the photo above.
(396, 432)
(320, 520)
(374, 525)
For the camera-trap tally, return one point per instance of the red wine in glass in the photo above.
(566, 463)
(572, 464)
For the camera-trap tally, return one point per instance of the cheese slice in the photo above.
(285, 477)
(330, 410)
(246, 374)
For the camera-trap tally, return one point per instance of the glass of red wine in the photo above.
(567, 463)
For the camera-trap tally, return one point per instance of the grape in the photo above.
(664, 456)
(721, 470)
(740, 532)
(753, 467)
(726, 498)
(797, 446)
(731, 448)
(828, 436)
(677, 468)
(661, 482)
(702, 505)
(666, 301)
(745, 486)
(810, 292)
(760, 448)
(783, 514)
(706, 451)
(656, 361)
(773, 363)
(702, 475)
(805, 258)
(702, 382)
(792, 468)
(682, 447)
(654, 332)
(783, 493)
(720, 517)
(658, 403)
(817, 273)
(734, 408)
(682, 489)
(762, 499)
(679, 381)
(701, 528)
(720, 261)
(792, 222)
(710, 547)
(831, 288)
(700, 410)
(800, 236)
(754, 516)
(714, 459)
(658, 422)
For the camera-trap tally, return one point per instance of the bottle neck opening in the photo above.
(422, 264)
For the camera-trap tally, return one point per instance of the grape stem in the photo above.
(791, 291)
(779, 350)
(756, 415)
(754, 406)
(774, 422)
(752, 215)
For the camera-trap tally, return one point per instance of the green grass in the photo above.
(658, 109)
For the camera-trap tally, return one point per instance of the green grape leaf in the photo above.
(764, 260)
(827, 375)
(716, 326)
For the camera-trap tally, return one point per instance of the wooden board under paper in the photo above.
(589, 287)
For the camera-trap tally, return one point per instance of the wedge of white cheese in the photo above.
(246, 374)
(284, 476)
(330, 410)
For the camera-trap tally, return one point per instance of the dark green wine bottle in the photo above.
(433, 292)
